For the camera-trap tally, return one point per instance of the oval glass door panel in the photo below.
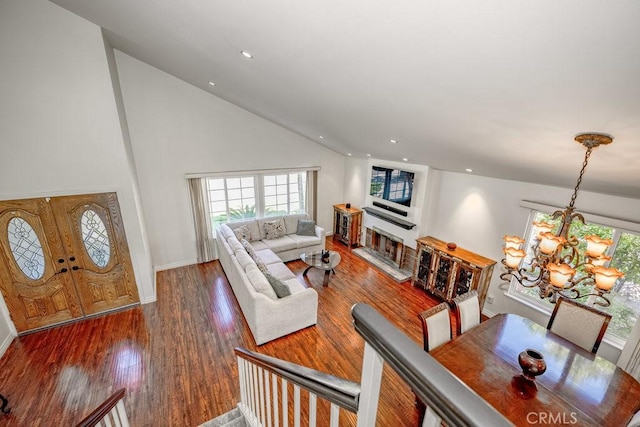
(26, 248)
(95, 238)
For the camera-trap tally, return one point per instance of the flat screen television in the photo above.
(393, 185)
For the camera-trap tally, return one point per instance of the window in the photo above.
(284, 193)
(231, 199)
(625, 253)
(239, 198)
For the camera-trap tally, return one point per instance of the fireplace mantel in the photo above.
(386, 217)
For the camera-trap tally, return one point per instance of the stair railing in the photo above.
(264, 382)
(446, 397)
(264, 395)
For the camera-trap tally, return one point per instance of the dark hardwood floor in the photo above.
(175, 357)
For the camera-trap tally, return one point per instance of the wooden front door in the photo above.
(34, 274)
(92, 231)
(63, 258)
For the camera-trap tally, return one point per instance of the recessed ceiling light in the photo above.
(321, 137)
(405, 159)
(393, 141)
(348, 154)
(212, 84)
(469, 170)
(368, 155)
(246, 54)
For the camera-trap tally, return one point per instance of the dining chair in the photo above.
(436, 326)
(581, 324)
(635, 420)
(110, 413)
(467, 311)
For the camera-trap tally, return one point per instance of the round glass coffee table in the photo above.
(314, 260)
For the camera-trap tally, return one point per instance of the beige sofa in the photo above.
(269, 316)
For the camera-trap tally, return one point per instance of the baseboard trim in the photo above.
(6, 343)
(175, 265)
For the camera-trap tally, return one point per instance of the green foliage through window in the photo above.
(625, 253)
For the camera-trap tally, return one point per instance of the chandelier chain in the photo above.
(584, 166)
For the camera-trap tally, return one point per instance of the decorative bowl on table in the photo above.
(532, 364)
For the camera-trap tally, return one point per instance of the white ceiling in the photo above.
(499, 86)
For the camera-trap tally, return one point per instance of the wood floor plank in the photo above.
(175, 356)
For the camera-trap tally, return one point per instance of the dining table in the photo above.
(578, 388)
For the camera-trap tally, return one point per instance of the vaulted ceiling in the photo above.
(497, 86)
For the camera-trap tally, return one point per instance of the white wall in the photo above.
(476, 212)
(58, 119)
(177, 129)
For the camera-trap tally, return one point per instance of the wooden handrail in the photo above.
(99, 413)
(454, 402)
(343, 393)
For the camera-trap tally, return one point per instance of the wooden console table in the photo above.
(347, 223)
(447, 273)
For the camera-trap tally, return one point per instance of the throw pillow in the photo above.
(280, 288)
(247, 247)
(261, 265)
(274, 229)
(242, 232)
(306, 227)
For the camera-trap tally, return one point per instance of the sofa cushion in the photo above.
(260, 225)
(260, 282)
(235, 244)
(279, 287)
(244, 259)
(280, 271)
(259, 245)
(226, 231)
(274, 229)
(253, 228)
(306, 227)
(282, 244)
(268, 257)
(304, 241)
(291, 221)
(294, 285)
(242, 232)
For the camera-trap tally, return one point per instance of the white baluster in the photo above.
(254, 384)
(261, 393)
(296, 406)
(370, 385)
(335, 415)
(267, 395)
(276, 419)
(241, 379)
(285, 404)
(312, 410)
(431, 419)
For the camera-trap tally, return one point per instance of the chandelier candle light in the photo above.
(555, 256)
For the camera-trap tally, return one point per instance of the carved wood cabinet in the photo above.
(448, 273)
(347, 224)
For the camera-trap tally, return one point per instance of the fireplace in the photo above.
(386, 245)
(390, 249)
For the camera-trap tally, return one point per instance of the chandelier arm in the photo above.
(520, 275)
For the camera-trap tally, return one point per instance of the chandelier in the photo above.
(555, 258)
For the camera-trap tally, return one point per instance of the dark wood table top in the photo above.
(578, 388)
